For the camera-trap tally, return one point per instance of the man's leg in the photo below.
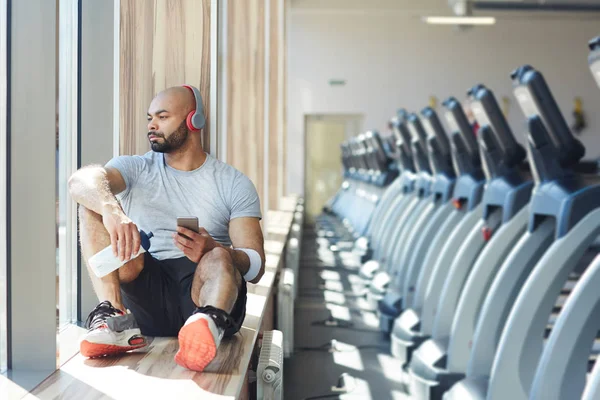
(215, 289)
(111, 330)
(216, 281)
(94, 237)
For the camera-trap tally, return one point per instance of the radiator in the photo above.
(294, 245)
(292, 254)
(285, 309)
(269, 375)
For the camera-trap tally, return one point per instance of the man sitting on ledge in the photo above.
(191, 285)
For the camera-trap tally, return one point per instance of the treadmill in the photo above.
(467, 166)
(415, 324)
(418, 203)
(400, 208)
(436, 364)
(392, 205)
(564, 220)
(427, 225)
(565, 361)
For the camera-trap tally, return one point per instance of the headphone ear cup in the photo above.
(189, 122)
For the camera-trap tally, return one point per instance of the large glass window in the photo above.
(3, 182)
(66, 164)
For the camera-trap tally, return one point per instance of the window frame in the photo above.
(68, 121)
(31, 191)
(4, 26)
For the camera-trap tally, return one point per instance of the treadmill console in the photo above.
(428, 127)
(594, 58)
(413, 132)
(480, 114)
(526, 102)
(452, 123)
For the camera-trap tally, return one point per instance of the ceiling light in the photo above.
(460, 20)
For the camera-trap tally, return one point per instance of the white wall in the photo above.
(391, 59)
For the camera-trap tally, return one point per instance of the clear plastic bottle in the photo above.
(104, 262)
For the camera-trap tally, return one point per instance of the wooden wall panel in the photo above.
(274, 103)
(246, 90)
(163, 43)
(284, 97)
(259, 88)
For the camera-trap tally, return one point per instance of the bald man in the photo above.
(191, 285)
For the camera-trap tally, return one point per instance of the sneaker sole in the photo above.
(95, 350)
(196, 346)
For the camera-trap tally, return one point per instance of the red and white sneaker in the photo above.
(200, 337)
(110, 331)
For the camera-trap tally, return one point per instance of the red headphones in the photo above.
(195, 119)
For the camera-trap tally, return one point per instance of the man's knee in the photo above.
(216, 262)
(131, 270)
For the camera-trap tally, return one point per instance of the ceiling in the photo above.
(429, 7)
(548, 5)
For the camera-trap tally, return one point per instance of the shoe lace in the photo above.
(222, 318)
(100, 314)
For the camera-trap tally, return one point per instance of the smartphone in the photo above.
(190, 223)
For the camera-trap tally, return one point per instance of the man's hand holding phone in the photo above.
(193, 240)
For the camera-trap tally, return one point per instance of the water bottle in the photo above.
(104, 262)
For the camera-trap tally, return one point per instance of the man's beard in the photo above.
(172, 143)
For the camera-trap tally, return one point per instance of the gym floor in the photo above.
(362, 363)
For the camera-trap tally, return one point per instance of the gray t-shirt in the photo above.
(156, 194)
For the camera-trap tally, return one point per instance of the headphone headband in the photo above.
(196, 119)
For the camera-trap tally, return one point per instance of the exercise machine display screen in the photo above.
(452, 122)
(596, 70)
(428, 127)
(480, 114)
(526, 102)
(413, 132)
(397, 133)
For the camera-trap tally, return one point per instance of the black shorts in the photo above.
(160, 297)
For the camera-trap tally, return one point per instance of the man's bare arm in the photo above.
(246, 233)
(94, 187)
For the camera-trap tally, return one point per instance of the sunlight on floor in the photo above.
(150, 376)
(339, 312)
(330, 275)
(361, 391)
(68, 342)
(370, 319)
(327, 258)
(10, 390)
(333, 297)
(391, 367)
(336, 286)
(363, 303)
(355, 280)
(357, 285)
(350, 257)
(348, 358)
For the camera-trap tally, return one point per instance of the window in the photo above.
(66, 164)
(3, 191)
